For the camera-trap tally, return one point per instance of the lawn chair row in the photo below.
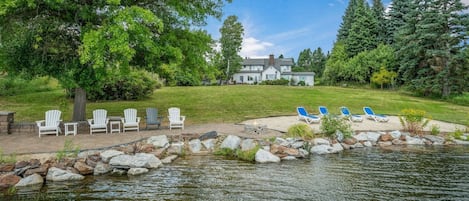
(100, 121)
(344, 112)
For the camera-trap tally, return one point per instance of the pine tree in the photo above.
(428, 45)
(304, 60)
(381, 28)
(347, 20)
(318, 62)
(363, 33)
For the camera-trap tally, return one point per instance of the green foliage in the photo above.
(459, 135)
(363, 31)
(69, 150)
(10, 85)
(303, 131)
(134, 85)
(248, 155)
(435, 130)
(225, 152)
(7, 158)
(281, 81)
(330, 125)
(383, 77)
(335, 64)
(413, 120)
(230, 41)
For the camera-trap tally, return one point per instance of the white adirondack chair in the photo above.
(175, 118)
(130, 120)
(51, 123)
(99, 121)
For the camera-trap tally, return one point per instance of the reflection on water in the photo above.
(418, 173)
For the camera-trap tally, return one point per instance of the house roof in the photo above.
(265, 62)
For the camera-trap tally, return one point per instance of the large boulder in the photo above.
(102, 168)
(108, 154)
(373, 137)
(7, 167)
(9, 180)
(31, 180)
(320, 141)
(336, 148)
(195, 145)
(231, 142)
(137, 171)
(83, 168)
(263, 156)
(42, 170)
(140, 160)
(321, 149)
(386, 137)
(176, 148)
(437, 140)
(56, 174)
(248, 144)
(413, 140)
(158, 141)
(396, 134)
(209, 144)
(169, 159)
(209, 135)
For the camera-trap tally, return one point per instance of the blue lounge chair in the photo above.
(377, 117)
(345, 112)
(303, 115)
(323, 111)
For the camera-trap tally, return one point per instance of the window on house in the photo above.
(241, 78)
(302, 78)
(270, 76)
(250, 78)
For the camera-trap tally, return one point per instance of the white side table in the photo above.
(115, 126)
(73, 126)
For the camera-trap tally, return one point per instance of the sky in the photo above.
(285, 26)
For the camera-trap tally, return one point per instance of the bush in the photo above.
(249, 155)
(281, 81)
(414, 121)
(330, 125)
(301, 131)
(126, 86)
(10, 86)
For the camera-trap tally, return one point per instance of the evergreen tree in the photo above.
(396, 18)
(304, 60)
(364, 31)
(335, 64)
(318, 62)
(428, 46)
(347, 20)
(379, 16)
(231, 40)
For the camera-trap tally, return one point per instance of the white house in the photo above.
(254, 71)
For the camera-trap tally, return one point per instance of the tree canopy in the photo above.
(79, 42)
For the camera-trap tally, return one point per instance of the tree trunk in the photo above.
(79, 107)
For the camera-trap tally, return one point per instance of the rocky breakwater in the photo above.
(138, 158)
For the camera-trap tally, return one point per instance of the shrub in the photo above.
(459, 134)
(226, 152)
(281, 81)
(300, 130)
(435, 129)
(7, 158)
(330, 125)
(69, 150)
(125, 86)
(414, 121)
(249, 155)
(10, 86)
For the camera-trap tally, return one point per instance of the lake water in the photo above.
(412, 173)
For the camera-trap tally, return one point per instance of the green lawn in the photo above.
(236, 103)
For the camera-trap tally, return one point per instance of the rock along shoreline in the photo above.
(140, 157)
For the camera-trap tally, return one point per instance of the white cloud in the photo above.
(253, 47)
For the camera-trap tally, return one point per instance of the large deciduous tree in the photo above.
(231, 40)
(78, 42)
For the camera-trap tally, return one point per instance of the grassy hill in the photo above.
(236, 103)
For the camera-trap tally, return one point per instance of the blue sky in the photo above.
(285, 26)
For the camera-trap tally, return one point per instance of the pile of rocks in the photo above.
(138, 158)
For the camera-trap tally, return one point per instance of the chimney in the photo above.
(271, 60)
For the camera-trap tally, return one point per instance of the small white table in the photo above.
(73, 126)
(115, 126)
